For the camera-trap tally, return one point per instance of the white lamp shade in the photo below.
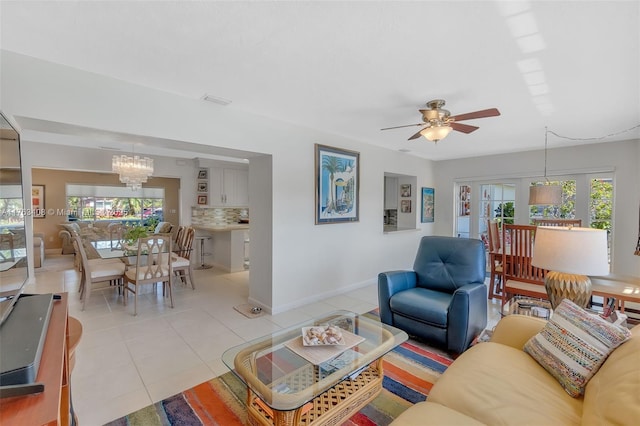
(580, 251)
(435, 133)
(545, 195)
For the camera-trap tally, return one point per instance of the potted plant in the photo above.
(133, 233)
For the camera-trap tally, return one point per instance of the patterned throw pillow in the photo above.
(574, 344)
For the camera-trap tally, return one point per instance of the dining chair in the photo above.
(557, 222)
(7, 246)
(181, 257)
(495, 259)
(116, 235)
(153, 265)
(520, 277)
(96, 271)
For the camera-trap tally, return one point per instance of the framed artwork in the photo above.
(203, 174)
(202, 199)
(405, 190)
(405, 206)
(38, 209)
(428, 205)
(203, 186)
(337, 175)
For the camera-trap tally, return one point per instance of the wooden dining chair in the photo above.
(557, 222)
(495, 259)
(153, 265)
(520, 277)
(181, 257)
(96, 271)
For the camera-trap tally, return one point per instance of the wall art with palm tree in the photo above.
(337, 185)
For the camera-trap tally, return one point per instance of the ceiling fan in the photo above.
(438, 122)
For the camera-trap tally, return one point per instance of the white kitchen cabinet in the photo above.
(390, 193)
(228, 187)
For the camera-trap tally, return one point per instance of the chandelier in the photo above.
(133, 171)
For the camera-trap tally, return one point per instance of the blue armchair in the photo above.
(444, 299)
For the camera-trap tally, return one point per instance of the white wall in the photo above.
(620, 157)
(307, 261)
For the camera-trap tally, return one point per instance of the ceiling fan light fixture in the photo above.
(436, 133)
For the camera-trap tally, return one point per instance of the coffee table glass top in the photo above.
(285, 374)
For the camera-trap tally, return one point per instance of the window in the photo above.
(601, 203)
(565, 211)
(463, 211)
(11, 208)
(108, 203)
(497, 202)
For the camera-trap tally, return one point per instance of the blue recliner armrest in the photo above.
(390, 283)
(467, 316)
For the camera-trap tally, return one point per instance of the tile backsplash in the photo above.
(217, 216)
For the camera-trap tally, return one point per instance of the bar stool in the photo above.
(202, 253)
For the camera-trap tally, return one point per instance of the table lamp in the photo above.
(570, 254)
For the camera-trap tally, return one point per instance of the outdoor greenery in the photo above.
(126, 209)
(565, 211)
(505, 212)
(601, 200)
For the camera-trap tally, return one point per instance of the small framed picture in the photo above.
(37, 201)
(203, 174)
(428, 205)
(405, 206)
(405, 190)
(202, 199)
(203, 186)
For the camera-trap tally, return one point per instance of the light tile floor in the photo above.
(124, 363)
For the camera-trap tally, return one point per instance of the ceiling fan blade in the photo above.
(464, 128)
(400, 127)
(416, 136)
(491, 112)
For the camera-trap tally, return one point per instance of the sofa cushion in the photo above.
(499, 384)
(163, 228)
(435, 413)
(574, 344)
(72, 227)
(612, 396)
(422, 304)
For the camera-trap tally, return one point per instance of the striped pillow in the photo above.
(574, 344)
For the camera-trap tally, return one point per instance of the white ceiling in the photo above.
(353, 67)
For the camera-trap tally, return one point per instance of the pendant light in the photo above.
(545, 194)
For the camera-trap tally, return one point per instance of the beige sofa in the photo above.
(497, 383)
(38, 249)
(92, 230)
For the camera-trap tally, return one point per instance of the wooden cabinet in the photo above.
(53, 406)
(390, 193)
(229, 187)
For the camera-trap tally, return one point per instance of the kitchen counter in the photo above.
(227, 245)
(222, 228)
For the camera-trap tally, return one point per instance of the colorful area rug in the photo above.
(410, 371)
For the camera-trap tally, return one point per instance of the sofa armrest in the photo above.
(516, 330)
(467, 316)
(390, 283)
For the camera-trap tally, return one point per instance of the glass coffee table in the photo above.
(289, 383)
(523, 305)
